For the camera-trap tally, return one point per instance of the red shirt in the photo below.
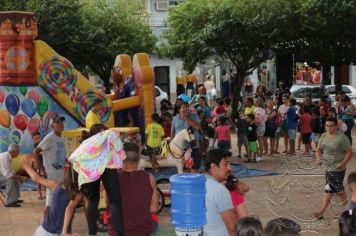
(306, 123)
(220, 110)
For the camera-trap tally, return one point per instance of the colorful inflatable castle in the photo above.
(37, 83)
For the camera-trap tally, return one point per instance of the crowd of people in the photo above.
(259, 123)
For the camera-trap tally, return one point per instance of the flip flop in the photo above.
(13, 204)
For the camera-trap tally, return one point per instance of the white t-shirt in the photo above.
(54, 156)
(217, 201)
(5, 165)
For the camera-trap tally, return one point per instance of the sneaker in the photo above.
(258, 159)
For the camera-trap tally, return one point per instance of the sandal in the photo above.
(247, 161)
(253, 161)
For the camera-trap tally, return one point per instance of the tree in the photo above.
(328, 33)
(90, 33)
(242, 31)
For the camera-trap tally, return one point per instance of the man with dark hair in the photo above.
(139, 195)
(221, 217)
(281, 227)
(53, 152)
(183, 120)
(351, 181)
(203, 107)
(9, 179)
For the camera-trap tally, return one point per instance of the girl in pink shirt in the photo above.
(237, 191)
(222, 134)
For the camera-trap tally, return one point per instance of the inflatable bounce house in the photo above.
(36, 83)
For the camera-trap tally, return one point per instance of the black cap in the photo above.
(56, 118)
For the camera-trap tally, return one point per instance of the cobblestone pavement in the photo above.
(23, 221)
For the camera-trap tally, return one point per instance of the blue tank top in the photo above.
(347, 117)
(53, 222)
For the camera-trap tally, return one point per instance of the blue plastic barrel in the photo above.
(188, 200)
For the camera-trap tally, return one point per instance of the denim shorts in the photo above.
(292, 134)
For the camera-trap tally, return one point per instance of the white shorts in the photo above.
(48, 197)
(211, 93)
(40, 231)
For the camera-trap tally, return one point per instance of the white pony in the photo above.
(175, 154)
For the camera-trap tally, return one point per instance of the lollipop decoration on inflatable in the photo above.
(57, 75)
(83, 105)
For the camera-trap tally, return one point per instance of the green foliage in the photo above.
(90, 33)
(242, 31)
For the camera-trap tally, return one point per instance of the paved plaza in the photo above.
(23, 221)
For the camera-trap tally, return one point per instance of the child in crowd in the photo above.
(154, 134)
(249, 226)
(36, 138)
(347, 223)
(242, 128)
(252, 139)
(332, 112)
(318, 124)
(222, 134)
(228, 109)
(208, 131)
(167, 119)
(66, 196)
(281, 227)
(237, 191)
(306, 127)
(351, 181)
(292, 124)
(220, 108)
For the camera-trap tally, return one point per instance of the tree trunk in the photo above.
(338, 78)
(236, 90)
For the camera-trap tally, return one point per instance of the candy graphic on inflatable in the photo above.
(15, 136)
(5, 119)
(57, 75)
(12, 103)
(83, 105)
(33, 125)
(28, 106)
(33, 94)
(21, 122)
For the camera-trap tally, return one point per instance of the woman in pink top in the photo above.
(237, 191)
(222, 134)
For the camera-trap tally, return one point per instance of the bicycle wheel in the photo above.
(165, 186)
(160, 200)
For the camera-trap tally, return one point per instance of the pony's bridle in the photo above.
(183, 150)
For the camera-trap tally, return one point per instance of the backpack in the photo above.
(278, 120)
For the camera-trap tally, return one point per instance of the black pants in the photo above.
(349, 123)
(92, 193)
